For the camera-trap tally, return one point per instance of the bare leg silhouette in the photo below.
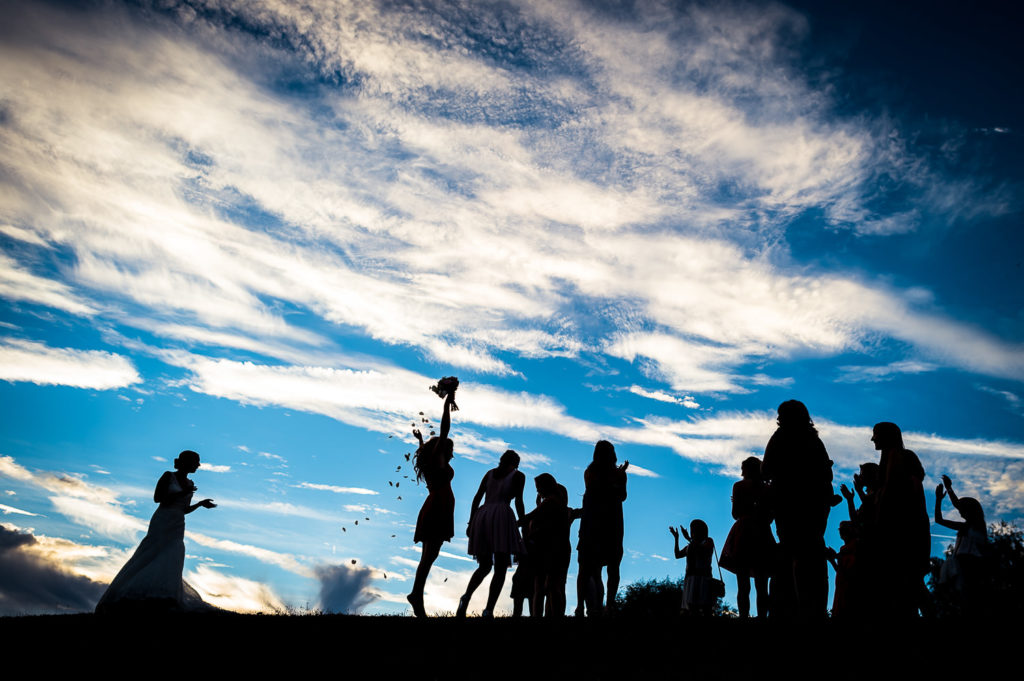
(501, 564)
(613, 584)
(475, 580)
(743, 595)
(761, 584)
(428, 555)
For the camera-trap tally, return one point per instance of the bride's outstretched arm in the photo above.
(446, 416)
(205, 503)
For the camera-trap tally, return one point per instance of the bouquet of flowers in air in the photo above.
(445, 387)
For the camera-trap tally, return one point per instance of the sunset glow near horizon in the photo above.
(261, 230)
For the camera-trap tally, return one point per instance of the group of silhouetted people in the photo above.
(538, 541)
(885, 556)
(880, 567)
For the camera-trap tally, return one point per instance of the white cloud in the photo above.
(99, 563)
(282, 560)
(19, 284)
(467, 252)
(22, 360)
(873, 373)
(108, 519)
(1013, 400)
(642, 472)
(662, 396)
(215, 468)
(9, 510)
(53, 558)
(723, 440)
(9, 468)
(279, 508)
(274, 457)
(93, 506)
(335, 488)
(234, 593)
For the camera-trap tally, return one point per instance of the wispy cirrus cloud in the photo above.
(335, 488)
(11, 510)
(722, 440)
(641, 471)
(233, 593)
(94, 506)
(662, 396)
(497, 227)
(18, 283)
(23, 360)
(875, 373)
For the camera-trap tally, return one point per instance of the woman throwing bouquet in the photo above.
(436, 521)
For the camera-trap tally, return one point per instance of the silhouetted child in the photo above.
(866, 485)
(698, 596)
(525, 574)
(965, 569)
(552, 549)
(871, 560)
(846, 602)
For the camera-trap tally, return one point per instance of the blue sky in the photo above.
(261, 230)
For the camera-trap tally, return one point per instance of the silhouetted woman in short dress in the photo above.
(151, 579)
(749, 550)
(494, 537)
(436, 521)
(601, 527)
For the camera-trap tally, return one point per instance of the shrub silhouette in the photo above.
(660, 598)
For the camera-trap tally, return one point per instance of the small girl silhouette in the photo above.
(698, 594)
(965, 569)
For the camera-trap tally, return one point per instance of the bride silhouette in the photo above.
(151, 579)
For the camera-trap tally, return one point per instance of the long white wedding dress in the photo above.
(152, 576)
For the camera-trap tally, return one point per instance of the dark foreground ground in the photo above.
(327, 646)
